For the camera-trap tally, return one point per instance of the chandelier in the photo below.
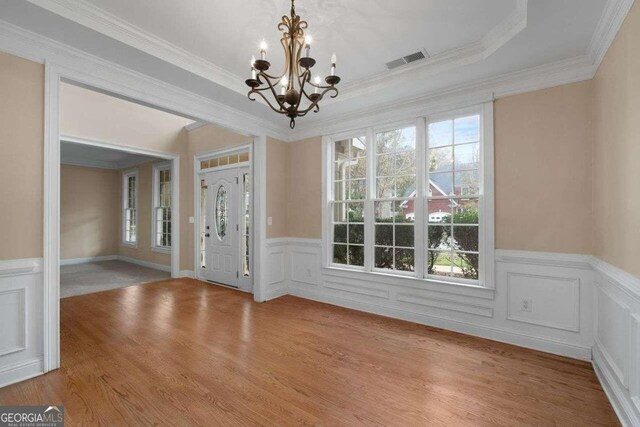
(298, 94)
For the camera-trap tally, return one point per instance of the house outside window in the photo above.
(414, 199)
(129, 208)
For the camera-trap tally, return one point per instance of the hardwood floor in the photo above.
(181, 352)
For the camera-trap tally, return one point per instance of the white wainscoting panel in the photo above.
(560, 287)
(13, 320)
(21, 322)
(616, 350)
(276, 271)
(546, 298)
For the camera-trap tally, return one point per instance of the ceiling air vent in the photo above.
(417, 56)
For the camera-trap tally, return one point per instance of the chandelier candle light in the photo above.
(295, 98)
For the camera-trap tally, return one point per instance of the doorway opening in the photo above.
(115, 217)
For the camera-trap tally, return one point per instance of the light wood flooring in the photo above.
(181, 352)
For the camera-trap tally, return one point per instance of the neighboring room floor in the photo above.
(87, 278)
(182, 352)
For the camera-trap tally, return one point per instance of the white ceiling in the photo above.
(72, 153)
(205, 45)
(365, 34)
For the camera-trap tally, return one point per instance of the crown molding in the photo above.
(194, 126)
(555, 74)
(90, 163)
(567, 71)
(101, 21)
(454, 58)
(610, 23)
(151, 92)
(37, 48)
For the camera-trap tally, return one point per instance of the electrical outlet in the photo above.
(269, 220)
(526, 305)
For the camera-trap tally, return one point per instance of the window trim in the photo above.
(155, 201)
(486, 238)
(125, 187)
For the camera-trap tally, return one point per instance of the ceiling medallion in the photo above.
(295, 98)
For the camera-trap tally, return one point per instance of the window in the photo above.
(203, 224)
(453, 147)
(246, 224)
(161, 232)
(224, 160)
(221, 213)
(394, 203)
(129, 208)
(350, 166)
(409, 200)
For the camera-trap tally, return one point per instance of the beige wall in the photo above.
(93, 115)
(21, 157)
(543, 170)
(278, 183)
(617, 149)
(304, 194)
(542, 173)
(142, 251)
(89, 211)
(565, 160)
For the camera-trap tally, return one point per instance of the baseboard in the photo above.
(276, 292)
(620, 402)
(84, 260)
(495, 334)
(147, 264)
(21, 371)
(187, 273)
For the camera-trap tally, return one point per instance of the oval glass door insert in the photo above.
(221, 212)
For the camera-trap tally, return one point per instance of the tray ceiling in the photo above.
(204, 46)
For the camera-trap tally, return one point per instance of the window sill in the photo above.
(129, 245)
(161, 250)
(426, 284)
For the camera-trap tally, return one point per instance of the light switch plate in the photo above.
(269, 220)
(191, 220)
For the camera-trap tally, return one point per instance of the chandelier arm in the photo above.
(268, 87)
(269, 80)
(316, 102)
(275, 96)
(268, 102)
(269, 76)
(305, 77)
(331, 89)
(315, 106)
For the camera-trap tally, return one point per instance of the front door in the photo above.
(226, 228)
